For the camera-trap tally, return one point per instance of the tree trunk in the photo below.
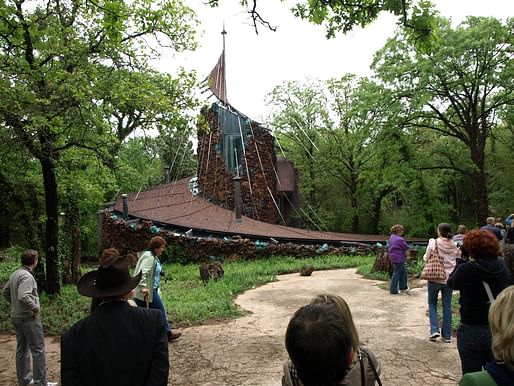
(482, 201)
(382, 263)
(51, 231)
(75, 241)
(479, 183)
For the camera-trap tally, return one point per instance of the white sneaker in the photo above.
(433, 336)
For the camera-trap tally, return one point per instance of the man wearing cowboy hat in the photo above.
(117, 344)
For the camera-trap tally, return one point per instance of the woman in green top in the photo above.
(147, 293)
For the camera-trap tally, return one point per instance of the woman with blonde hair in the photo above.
(364, 368)
(500, 372)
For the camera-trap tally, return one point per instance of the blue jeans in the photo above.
(399, 276)
(30, 340)
(433, 292)
(474, 345)
(156, 304)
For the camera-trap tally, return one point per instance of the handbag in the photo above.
(434, 267)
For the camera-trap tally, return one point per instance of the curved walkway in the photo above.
(250, 350)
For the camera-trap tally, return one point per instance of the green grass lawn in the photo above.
(192, 302)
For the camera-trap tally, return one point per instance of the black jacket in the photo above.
(116, 345)
(468, 277)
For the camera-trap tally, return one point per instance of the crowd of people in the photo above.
(124, 340)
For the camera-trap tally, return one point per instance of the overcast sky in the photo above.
(297, 50)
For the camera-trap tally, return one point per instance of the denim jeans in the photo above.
(433, 292)
(156, 304)
(30, 340)
(474, 345)
(399, 277)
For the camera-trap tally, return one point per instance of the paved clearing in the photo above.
(250, 350)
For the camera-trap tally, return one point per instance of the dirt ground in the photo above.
(250, 350)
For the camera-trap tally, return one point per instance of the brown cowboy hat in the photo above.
(111, 279)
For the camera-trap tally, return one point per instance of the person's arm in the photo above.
(7, 291)
(430, 249)
(509, 219)
(404, 245)
(160, 363)
(70, 375)
(147, 265)
(26, 289)
(457, 277)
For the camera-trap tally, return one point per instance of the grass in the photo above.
(193, 302)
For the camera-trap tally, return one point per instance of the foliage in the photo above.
(456, 91)
(189, 300)
(75, 78)
(417, 17)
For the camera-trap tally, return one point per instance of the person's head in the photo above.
(490, 221)
(397, 229)
(462, 229)
(479, 244)
(157, 245)
(499, 225)
(445, 230)
(29, 258)
(319, 344)
(344, 310)
(111, 280)
(109, 252)
(501, 320)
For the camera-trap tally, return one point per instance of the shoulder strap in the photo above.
(372, 366)
(489, 292)
(361, 363)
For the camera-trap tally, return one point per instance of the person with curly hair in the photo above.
(501, 319)
(483, 271)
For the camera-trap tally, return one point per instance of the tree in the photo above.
(56, 59)
(457, 90)
(417, 18)
(358, 109)
(298, 118)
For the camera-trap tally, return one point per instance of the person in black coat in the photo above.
(483, 271)
(117, 344)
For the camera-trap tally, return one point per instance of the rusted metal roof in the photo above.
(174, 206)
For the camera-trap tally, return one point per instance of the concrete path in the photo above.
(250, 350)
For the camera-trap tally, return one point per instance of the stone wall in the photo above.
(258, 175)
(129, 239)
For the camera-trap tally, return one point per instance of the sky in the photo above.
(298, 50)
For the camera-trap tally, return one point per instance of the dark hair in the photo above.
(319, 344)
(445, 230)
(462, 229)
(28, 257)
(480, 244)
(156, 242)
